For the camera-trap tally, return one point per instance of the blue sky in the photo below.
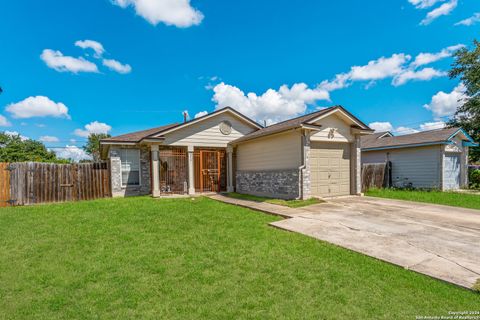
(270, 59)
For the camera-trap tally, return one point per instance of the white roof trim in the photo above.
(342, 112)
(213, 114)
(388, 133)
(313, 127)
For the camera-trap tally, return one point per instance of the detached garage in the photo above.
(316, 155)
(435, 159)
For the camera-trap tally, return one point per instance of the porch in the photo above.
(190, 170)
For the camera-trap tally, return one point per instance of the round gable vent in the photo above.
(226, 127)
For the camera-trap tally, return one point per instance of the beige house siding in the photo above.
(279, 151)
(333, 129)
(420, 166)
(207, 133)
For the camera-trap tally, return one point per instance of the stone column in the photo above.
(191, 172)
(116, 173)
(305, 173)
(357, 166)
(155, 171)
(230, 169)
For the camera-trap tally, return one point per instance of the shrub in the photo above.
(474, 178)
(476, 286)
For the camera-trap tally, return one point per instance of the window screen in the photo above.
(130, 159)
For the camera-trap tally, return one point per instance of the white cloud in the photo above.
(469, 21)
(117, 66)
(422, 4)
(48, 139)
(424, 74)
(171, 12)
(427, 58)
(4, 122)
(432, 125)
(380, 69)
(93, 127)
(56, 60)
(404, 130)
(91, 44)
(273, 105)
(401, 130)
(16, 133)
(38, 106)
(381, 126)
(443, 10)
(71, 152)
(445, 104)
(397, 67)
(201, 114)
(375, 70)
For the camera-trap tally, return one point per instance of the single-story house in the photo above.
(435, 159)
(313, 155)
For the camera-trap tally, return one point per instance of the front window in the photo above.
(130, 159)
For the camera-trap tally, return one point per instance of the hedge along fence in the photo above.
(33, 182)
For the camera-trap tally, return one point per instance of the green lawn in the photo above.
(455, 199)
(189, 259)
(287, 203)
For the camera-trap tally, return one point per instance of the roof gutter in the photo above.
(407, 146)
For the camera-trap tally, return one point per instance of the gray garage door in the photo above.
(451, 171)
(330, 169)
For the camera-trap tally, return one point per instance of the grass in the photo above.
(455, 199)
(281, 202)
(194, 259)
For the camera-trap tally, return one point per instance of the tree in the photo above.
(93, 145)
(14, 148)
(467, 67)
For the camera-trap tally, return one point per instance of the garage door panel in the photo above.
(330, 169)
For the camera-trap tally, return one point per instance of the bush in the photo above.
(476, 286)
(474, 178)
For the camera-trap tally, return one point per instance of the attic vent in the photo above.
(226, 128)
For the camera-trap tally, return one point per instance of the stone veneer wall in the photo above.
(282, 184)
(116, 172)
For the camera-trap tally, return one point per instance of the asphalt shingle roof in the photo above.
(139, 135)
(282, 126)
(429, 137)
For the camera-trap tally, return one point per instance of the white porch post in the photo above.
(230, 187)
(191, 173)
(155, 171)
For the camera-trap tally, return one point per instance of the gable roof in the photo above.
(378, 141)
(298, 122)
(158, 132)
(137, 136)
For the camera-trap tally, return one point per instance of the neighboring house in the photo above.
(436, 159)
(314, 155)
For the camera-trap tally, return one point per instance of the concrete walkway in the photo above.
(439, 241)
(265, 207)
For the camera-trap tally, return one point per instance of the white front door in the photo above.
(451, 171)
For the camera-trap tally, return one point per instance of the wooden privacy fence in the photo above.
(4, 184)
(34, 182)
(376, 175)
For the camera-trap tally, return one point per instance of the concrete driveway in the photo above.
(439, 241)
